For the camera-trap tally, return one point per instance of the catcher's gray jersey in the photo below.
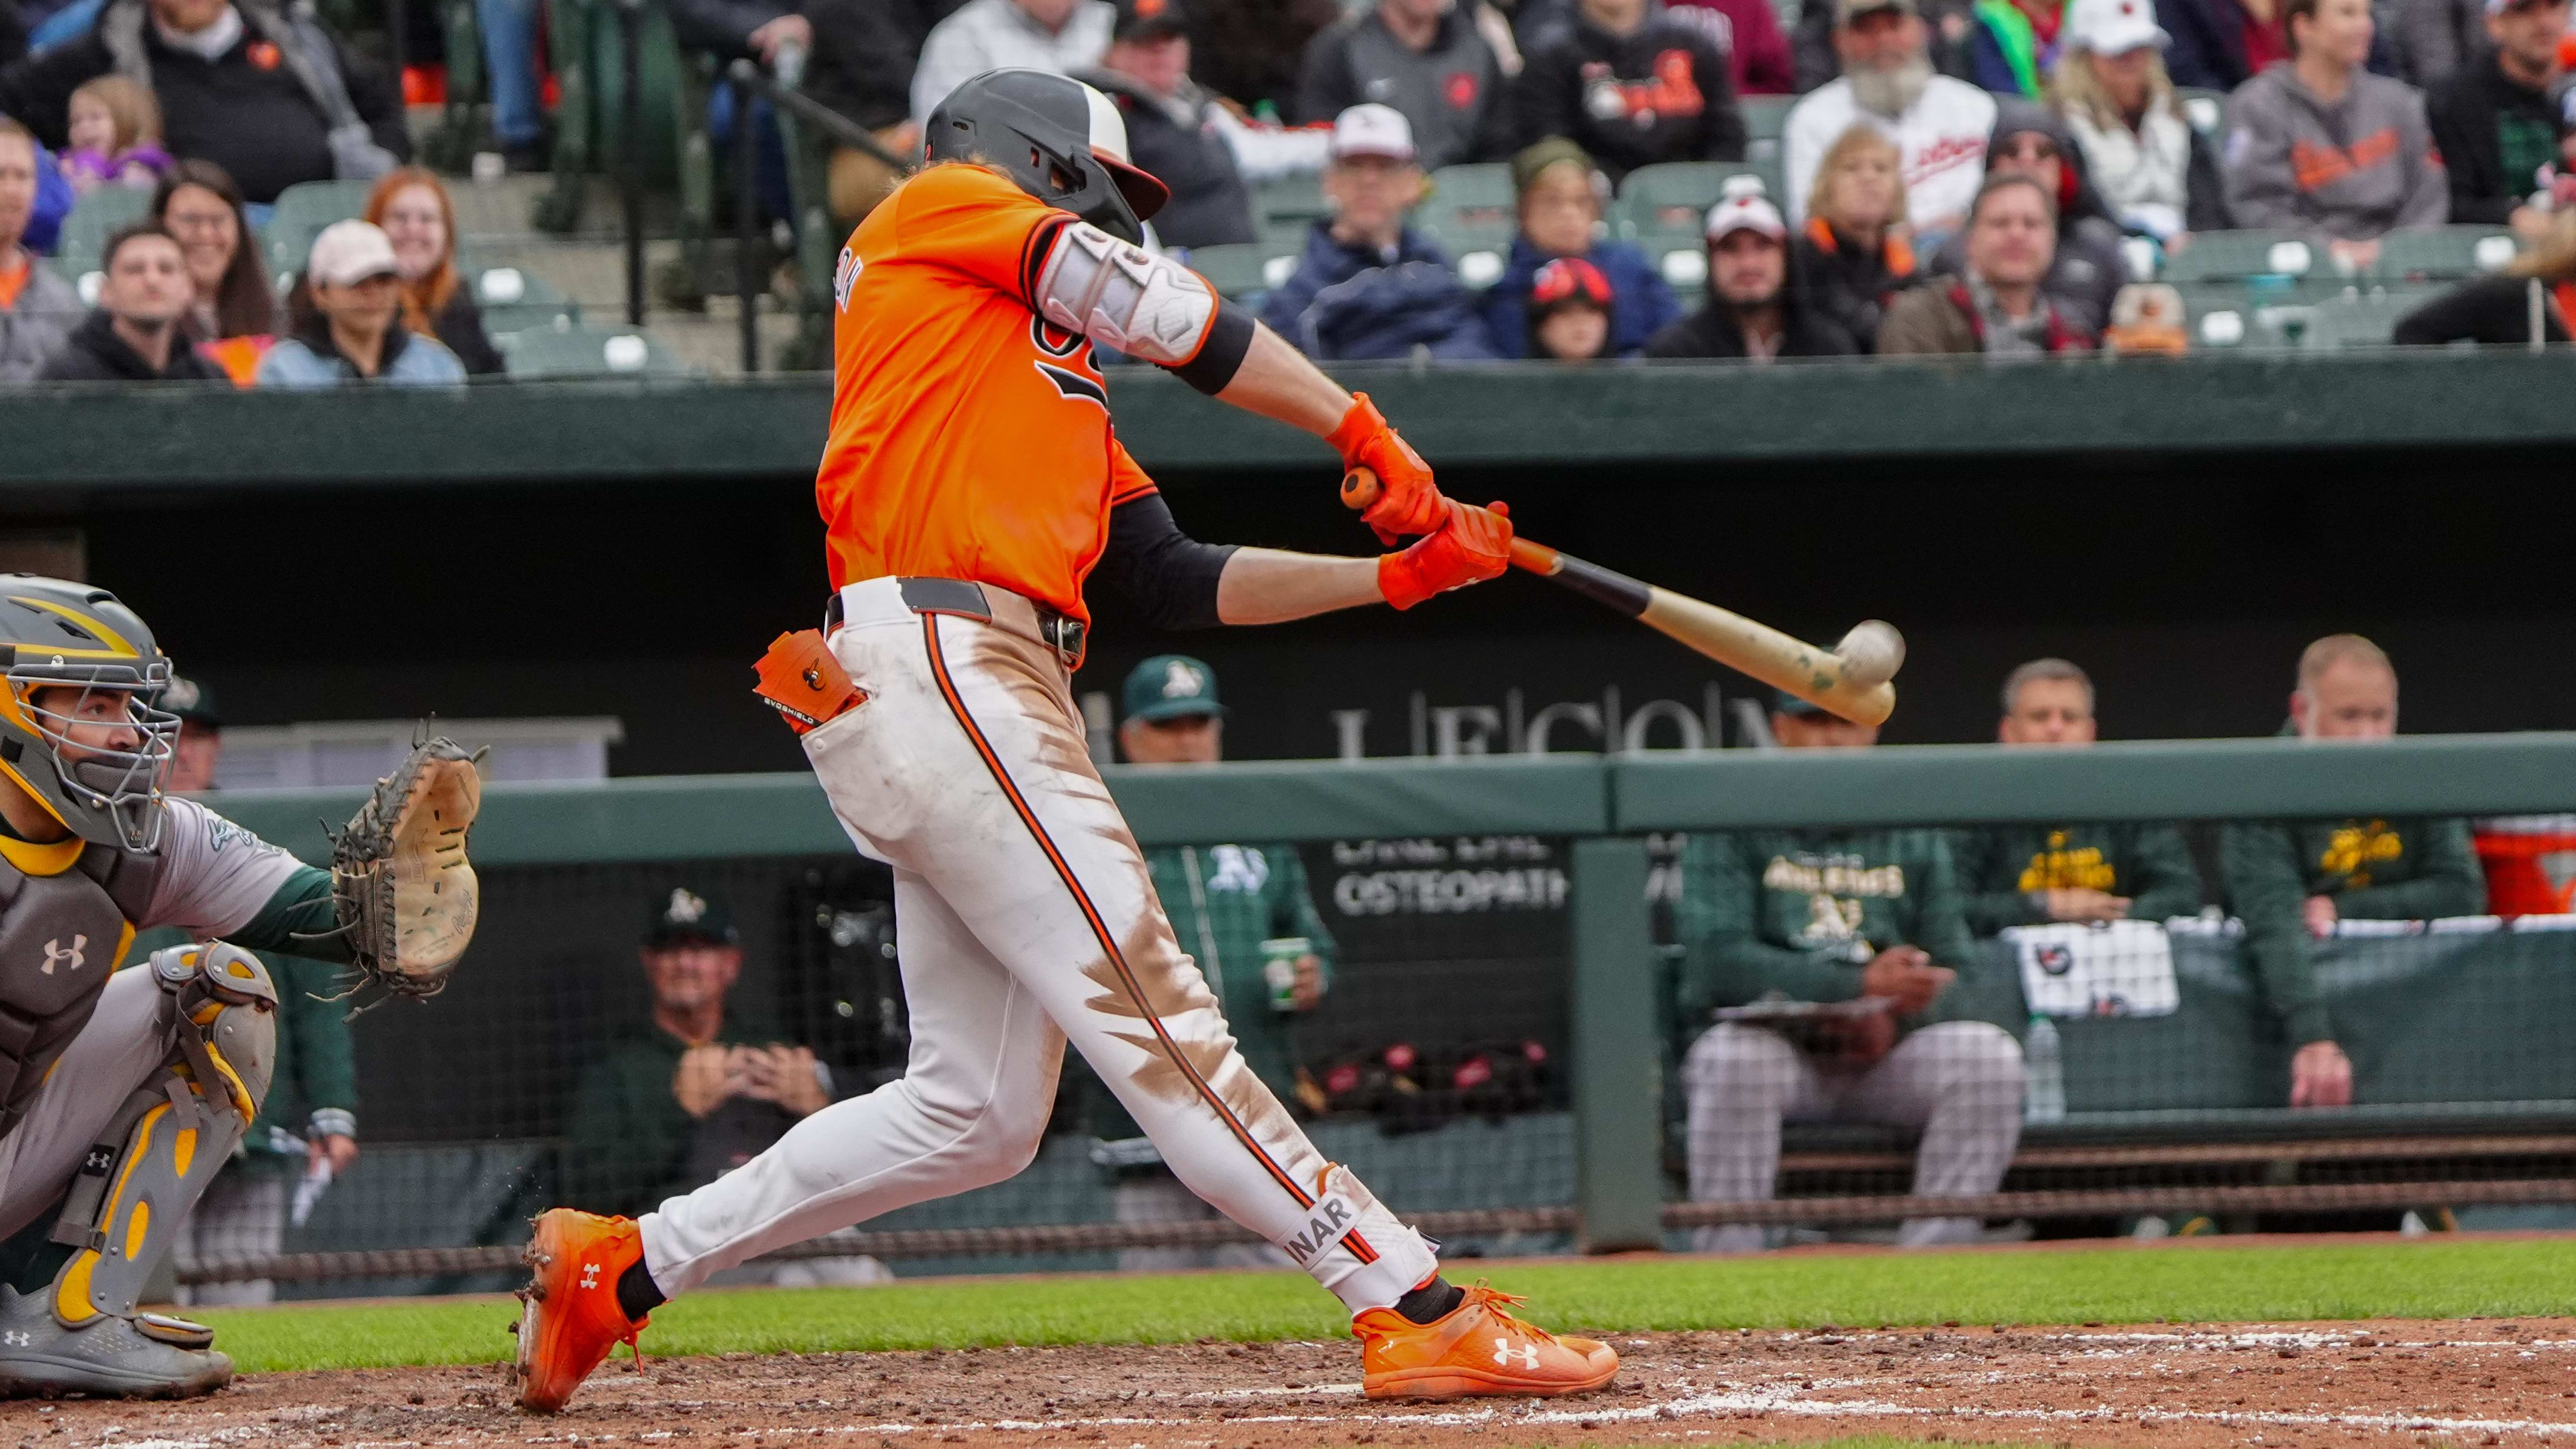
(69, 910)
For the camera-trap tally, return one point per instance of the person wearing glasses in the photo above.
(2088, 271)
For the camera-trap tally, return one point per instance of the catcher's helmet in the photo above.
(61, 636)
(1062, 141)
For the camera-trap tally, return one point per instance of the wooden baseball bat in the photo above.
(1819, 676)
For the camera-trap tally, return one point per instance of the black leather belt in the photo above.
(1065, 635)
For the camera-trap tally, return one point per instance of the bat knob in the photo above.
(1360, 489)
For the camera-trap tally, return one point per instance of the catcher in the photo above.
(122, 1092)
(972, 483)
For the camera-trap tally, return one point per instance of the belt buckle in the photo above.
(1066, 635)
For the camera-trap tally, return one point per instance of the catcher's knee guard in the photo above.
(174, 1133)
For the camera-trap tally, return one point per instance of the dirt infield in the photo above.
(2464, 1383)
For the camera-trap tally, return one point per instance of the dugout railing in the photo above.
(1537, 883)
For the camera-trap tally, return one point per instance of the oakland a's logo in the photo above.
(1054, 341)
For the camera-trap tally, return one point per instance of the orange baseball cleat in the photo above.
(1477, 1348)
(569, 1318)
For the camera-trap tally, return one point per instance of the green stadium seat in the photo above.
(1766, 118)
(2445, 253)
(2230, 255)
(302, 211)
(2205, 109)
(1471, 213)
(1243, 269)
(515, 301)
(1664, 210)
(569, 351)
(85, 230)
(2231, 316)
(1282, 210)
(2360, 319)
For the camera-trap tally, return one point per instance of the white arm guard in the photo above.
(1149, 307)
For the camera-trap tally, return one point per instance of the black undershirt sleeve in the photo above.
(1221, 356)
(1169, 576)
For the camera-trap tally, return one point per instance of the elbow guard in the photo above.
(1146, 306)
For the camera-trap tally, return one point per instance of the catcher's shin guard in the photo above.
(174, 1133)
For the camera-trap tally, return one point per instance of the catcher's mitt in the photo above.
(402, 889)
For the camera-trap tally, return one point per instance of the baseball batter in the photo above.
(972, 483)
(122, 1093)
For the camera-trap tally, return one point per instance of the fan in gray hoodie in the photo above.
(2349, 169)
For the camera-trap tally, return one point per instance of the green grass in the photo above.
(2211, 1283)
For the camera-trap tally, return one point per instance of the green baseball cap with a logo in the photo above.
(1171, 686)
(685, 915)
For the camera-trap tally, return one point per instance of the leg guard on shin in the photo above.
(174, 1133)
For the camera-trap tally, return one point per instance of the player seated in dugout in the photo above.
(1844, 943)
(2030, 874)
(2292, 882)
(684, 1098)
(1246, 915)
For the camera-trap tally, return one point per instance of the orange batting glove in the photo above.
(1473, 545)
(1410, 503)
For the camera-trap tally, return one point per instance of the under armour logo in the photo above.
(1527, 1353)
(18, 1338)
(69, 960)
(590, 1275)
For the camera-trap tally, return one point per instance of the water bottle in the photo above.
(2044, 1091)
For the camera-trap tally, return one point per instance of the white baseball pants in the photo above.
(1024, 917)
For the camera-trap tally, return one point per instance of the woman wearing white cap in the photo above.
(347, 320)
(2157, 173)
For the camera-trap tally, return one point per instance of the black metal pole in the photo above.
(746, 224)
(397, 20)
(630, 14)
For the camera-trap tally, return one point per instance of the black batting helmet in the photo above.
(1062, 141)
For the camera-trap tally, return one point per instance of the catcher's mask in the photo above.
(1062, 141)
(79, 730)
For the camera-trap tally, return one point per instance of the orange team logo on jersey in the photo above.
(2315, 167)
(1672, 90)
(970, 437)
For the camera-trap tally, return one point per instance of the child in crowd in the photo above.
(1569, 311)
(115, 137)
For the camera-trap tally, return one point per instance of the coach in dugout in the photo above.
(1236, 908)
(2292, 882)
(1843, 940)
(2033, 874)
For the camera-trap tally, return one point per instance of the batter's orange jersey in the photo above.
(970, 437)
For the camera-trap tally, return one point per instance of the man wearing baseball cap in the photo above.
(1245, 913)
(1171, 134)
(1754, 310)
(1939, 123)
(2492, 118)
(2155, 170)
(348, 321)
(1368, 285)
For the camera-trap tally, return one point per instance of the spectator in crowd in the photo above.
(308, 1124)
(1185, 137)
(2533, 301)
(2437, 37)
(37, 308)
(133, 336)
(349, 327)
(1063, 36)
(262, 91)
(2086, 270)
(670, 1107)
(1253, 51)
(1369, 285)
(2029, 875)
(1867, 921)
(1757, 307)
(114, 136)
(511, 74)
(1748, 34)
(1856, 251)
(233, 308)
(1568, 313)
(1633, 87)
(412, 208)
(2010, 45)
(1560, 198)
(1427, 59)
(1939, 124)
(2494, 122)
(864, 55)
(2156, 171)
(1997, 305)
(2291, 883)
(1245, 912)
(2218, 45)
(2321, 146)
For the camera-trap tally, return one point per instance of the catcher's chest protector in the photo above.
(60, 936)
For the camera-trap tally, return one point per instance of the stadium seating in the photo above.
(2230, 255)
(1245, 269)
(1282, 210)
(1471, 214)
(1663, 209)
(2445, 252)
(2206, 110)
(85, 231)
(1765, 118)
(2360, 319)
(566, 350)
(515, 300)
(302, 211)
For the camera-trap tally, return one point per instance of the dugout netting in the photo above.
(1478, 1030)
